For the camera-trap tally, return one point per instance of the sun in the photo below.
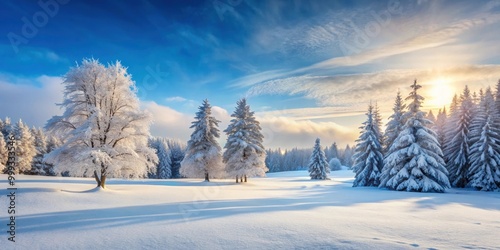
(439, 94)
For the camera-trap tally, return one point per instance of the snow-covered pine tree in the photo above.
(53, 143)
(347, 159)
(440, 127)
(203, 154)
(416, 162)
(38, 167)
(377, 121)
(164, 166)
(396, 122)
(497, 96)
(457, 147)
(3, 155)
(177, 151)
(6, 127)
(368, 158)
(25, 147)
(318, 166)
(245, 155)
(430, 116)
(106, 133)
(484, 172)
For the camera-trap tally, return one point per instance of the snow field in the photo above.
(283, 211)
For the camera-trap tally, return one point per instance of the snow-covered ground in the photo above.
(283, 211)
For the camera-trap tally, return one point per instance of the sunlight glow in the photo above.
(439, 93)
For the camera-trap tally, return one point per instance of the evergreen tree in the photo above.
(203, 154)
(484, 172)
(53, 143)
(6, 127)
(164, 166)
(38, 166)
(377, 122)
(3, 155)
(457, 151)
(334, 151)
(497, 97)
(416, 162)
(25, 148)
(430, 116)
(318, 166)
(440, 127)
(177, 151)
(245, 155)
(396, 122)
(368, 158)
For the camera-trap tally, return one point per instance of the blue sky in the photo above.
(309, 68)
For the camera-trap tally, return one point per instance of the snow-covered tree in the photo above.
(38, 166)
(345, 156)
(245, 155)
(377, 122)
(6, 127)
(430, 116)
(335, 164)
(396, 122)
(440, 127)
(53, 143)
(368, 158)
(177, 151)
(25, 147)
(203, 154)
(164, 166)
(457, 150)
(497, 96)
(3, 154)
(484, 172)
(106, 133)
(318, 166)
(416, 162)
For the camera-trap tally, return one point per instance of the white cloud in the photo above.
(32, 100)
(176, 99)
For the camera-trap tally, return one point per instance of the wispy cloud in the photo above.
(176, 99)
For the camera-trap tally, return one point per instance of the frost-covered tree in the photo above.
(497, 96)
(396, 122)
(6, 127)
(38, 166)
(368, 158)
(416, 162)
(203, 154)
(335, 164)
(457, 147)
(3, 154)
(53, 143)
(345, 156)
(484, 172)
(440, 127)
(377, 122)
(25, 147)
(318, 166)
(245, 155)
(430, 116)
(177, 151)
(164, 166)
(106, 133)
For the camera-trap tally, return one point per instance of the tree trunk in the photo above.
(101, 180)
(206, 177)
(245, 178)
(236, 179)
(241, 178)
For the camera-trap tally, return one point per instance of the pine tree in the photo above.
(416, 162)
(318, 166)
(177, 151)
(164, 167)
(368, 158)
(497, 96)
(396, 122)
(53, 143)
(457, 150)
(3, 154)
(430, 116)
(203, 154)
(38, 166)
(25, 148)
(245, 155)
(106, 133)
(6, 128)
(484, 172)
(377, 121)
(440, 127)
